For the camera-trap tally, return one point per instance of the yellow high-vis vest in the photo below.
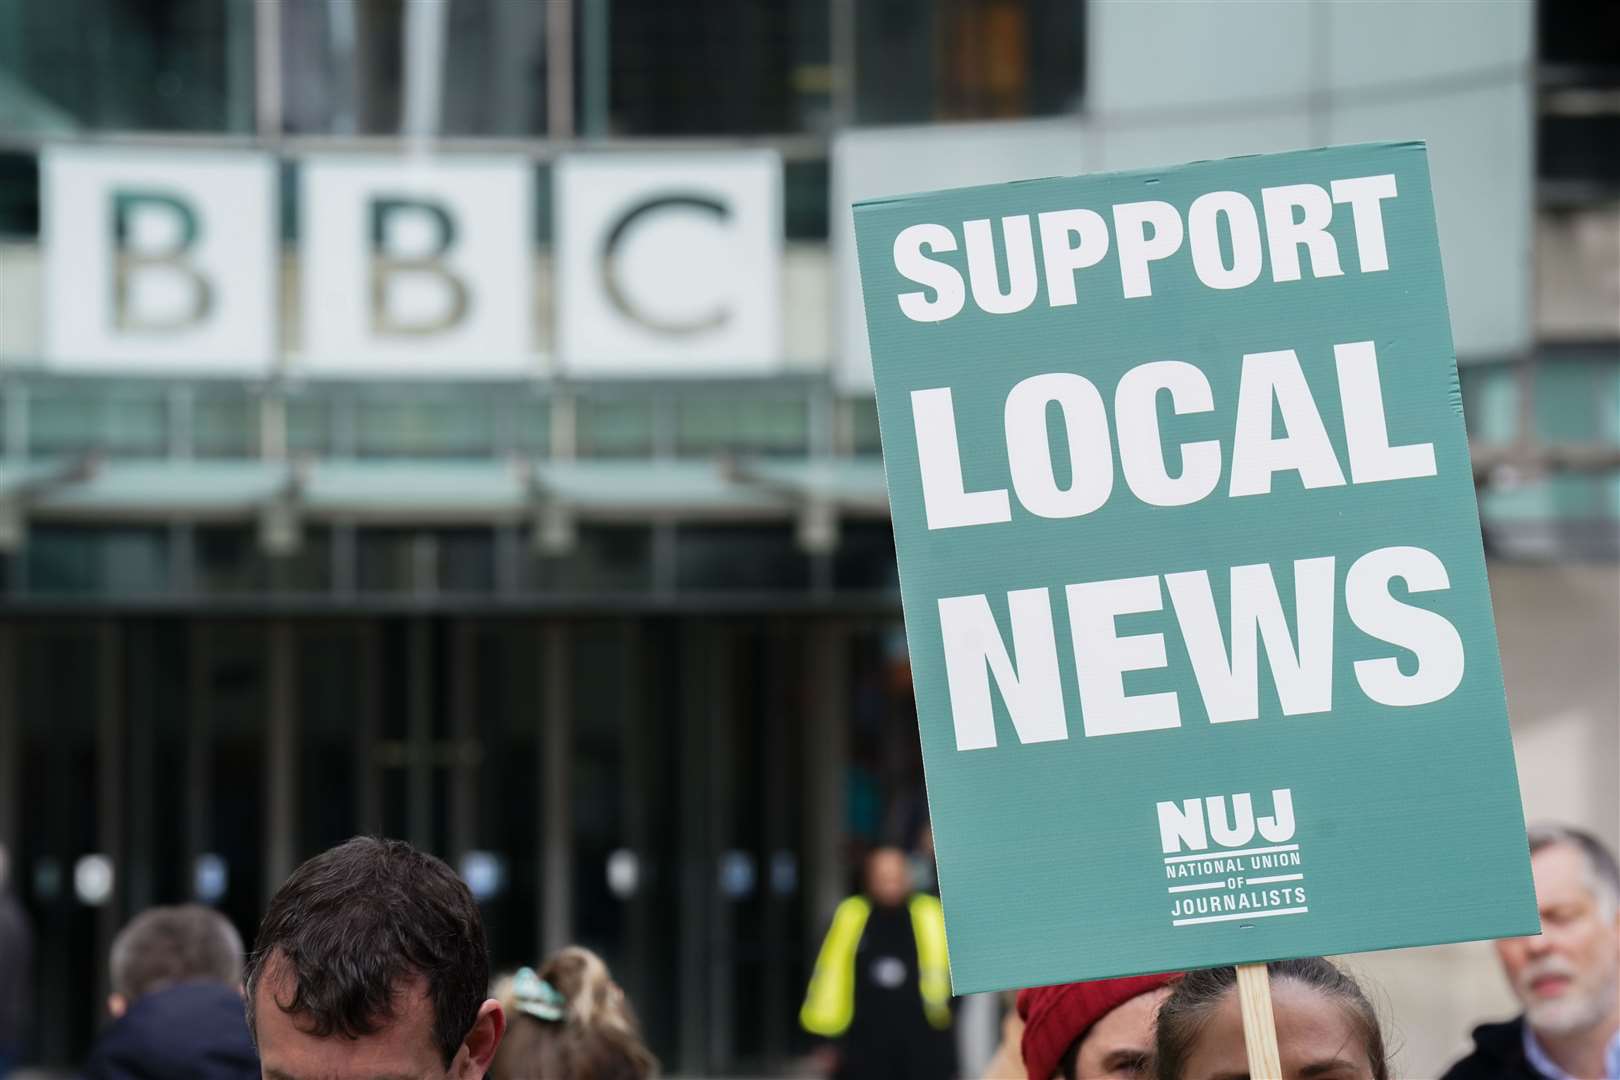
(829, 1005)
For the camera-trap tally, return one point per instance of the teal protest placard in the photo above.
(1194, 592)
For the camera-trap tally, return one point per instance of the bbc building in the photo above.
(454, 421)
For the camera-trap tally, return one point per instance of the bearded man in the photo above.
(1567, 977)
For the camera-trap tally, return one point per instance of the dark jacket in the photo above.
(1498, 1055)
(194, 1031)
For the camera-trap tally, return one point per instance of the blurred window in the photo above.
(62, 421)
(341, 66)
(925, 60)
(1579, 40)
(394, 560)
(308, 570)
(74, 417)
(863, 424)
(605, 558)
(1556, 512)
(331, 715)
(233, 682)
(725, 67)
(1579, 139)
(529, 420)
(390, 560)
(604, 683)
(141, 65)
(715, 425)
(343, 70)
(227, 559)
(864, 558)
(615, 427)
(458, 425)
(505, 703)
(1490, 396)
(225, 422)
(805, 199)
(1581, 149)
(57, 710)
(120, 561)
(495, 68)
(309, 423)
(19, 188)
(763, 557)
(466, 560)
(1576, 399)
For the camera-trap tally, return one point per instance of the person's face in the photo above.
(1316, 1036)
(1120, 1045)
(402, 1050)
(1568, 976)
(888, 878)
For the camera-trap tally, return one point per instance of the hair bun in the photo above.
(534, 996)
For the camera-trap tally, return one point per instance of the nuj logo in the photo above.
(1228, 821)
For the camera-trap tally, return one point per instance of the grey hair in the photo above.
(164, 946)
(1602, 872)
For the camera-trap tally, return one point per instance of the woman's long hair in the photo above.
(570, 1021)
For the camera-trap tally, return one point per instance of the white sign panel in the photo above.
(159, 259)
(416, 265)
(669, 264)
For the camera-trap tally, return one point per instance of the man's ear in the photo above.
(478, 1049)
(117, 1006)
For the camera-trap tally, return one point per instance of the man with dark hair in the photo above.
(1567, 977)
(176, 1001)
(371, 964)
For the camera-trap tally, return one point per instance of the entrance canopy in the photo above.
(552, 494)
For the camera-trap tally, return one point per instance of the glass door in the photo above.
(690, 857)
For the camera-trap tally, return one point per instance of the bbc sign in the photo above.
(170, 260)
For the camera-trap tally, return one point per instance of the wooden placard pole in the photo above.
(1259, 1025)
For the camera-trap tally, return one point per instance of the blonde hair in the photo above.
(596, 1038)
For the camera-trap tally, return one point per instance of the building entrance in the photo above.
(675, 791)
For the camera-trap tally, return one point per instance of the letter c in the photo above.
(620, 297)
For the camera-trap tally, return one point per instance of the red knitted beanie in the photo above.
(1055, 1017)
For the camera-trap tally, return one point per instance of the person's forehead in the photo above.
(1560, 871)
(1128, 1025)
(1318, 1020)
(401, 1048)
(1312, 1029)
(1218, 1047)
(886, 861)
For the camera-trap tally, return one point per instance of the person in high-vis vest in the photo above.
(882, 985)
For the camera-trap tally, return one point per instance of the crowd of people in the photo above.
(869, 992)
(371, 963)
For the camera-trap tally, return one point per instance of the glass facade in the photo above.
(89, 65)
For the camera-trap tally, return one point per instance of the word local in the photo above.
(1268, 381)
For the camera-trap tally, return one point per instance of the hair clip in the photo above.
(535, 997)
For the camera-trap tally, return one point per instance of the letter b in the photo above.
(135, 255)
(386, 266)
